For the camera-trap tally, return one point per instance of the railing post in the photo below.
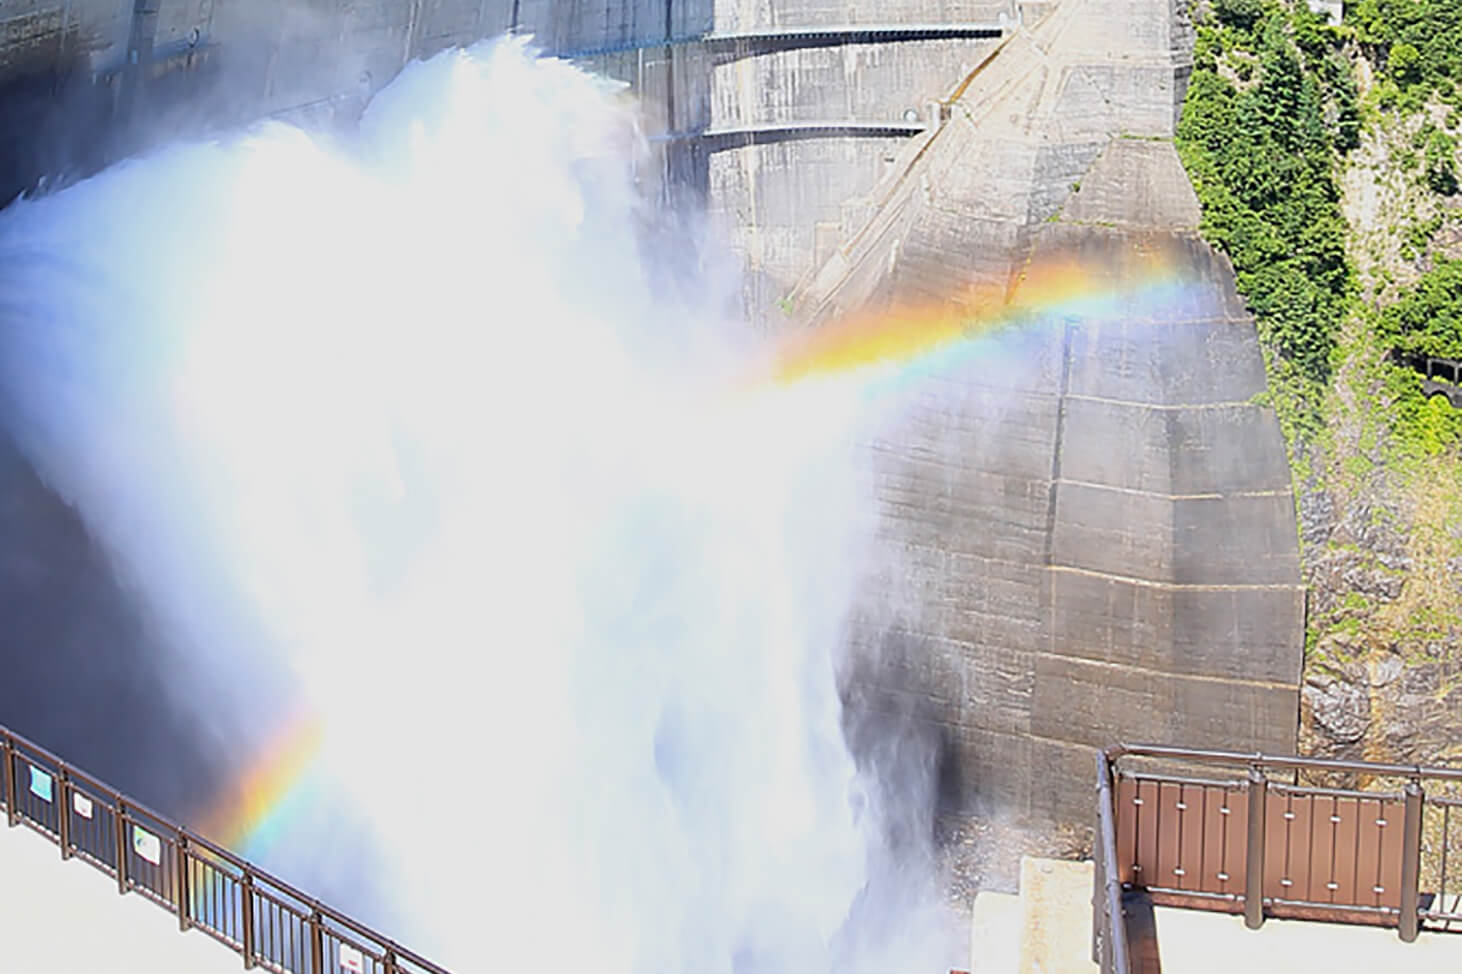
(63, 811)
(1411, 861)
(1099, 875)
(1254, 855)
(317, 942)
(246, 888)
(391, 967)
(180, 881)
(1098, 902)
(1110, 918)
(11, 809)
(119, 822)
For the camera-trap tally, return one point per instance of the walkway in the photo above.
(1046, 929)
(64, 917)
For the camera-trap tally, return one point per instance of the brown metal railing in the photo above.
(1261, 846)
(268, 922)
(1109, 926)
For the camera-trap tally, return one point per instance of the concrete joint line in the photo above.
(1201, 677)
(1212, 495)
(1181, 586)
(1166, 406)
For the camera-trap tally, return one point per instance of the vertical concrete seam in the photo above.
(61, 66)
(669, 66)
(413, 22)
(141, 35)
(1064, 386)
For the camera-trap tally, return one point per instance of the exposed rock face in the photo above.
(1382, 529)
(1099, 517)
(1383, 678)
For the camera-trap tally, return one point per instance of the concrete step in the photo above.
(1045, 929)
(1055, 916)
(995, 934)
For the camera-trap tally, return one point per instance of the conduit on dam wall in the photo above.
(1103, 535)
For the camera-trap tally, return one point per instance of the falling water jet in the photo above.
(408, 426)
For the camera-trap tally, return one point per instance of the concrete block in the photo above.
(1054, 897)
(1116, 444)
(1227, 448)
(1235, 539)
(1136, 183)
(1113, 620)
(995, 933)
(1119, 532)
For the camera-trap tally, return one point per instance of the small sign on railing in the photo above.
(40, 784)
(351, 959)
(146, 845)
(176, 890)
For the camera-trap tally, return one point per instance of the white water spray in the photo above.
(408, 422)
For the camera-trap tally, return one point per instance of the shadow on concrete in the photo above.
(55, 127)
(79, 670)
(1141, 932)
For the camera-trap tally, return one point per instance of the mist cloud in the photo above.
(409, 434)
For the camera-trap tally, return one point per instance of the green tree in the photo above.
(1405, 63)
(1242, 14)
(1440, 158)
(1261, 161)
(1428, 318)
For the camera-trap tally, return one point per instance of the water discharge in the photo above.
(404, 437)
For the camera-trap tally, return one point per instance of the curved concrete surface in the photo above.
(1099, 516)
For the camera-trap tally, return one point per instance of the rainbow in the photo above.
(904, 343)
(1055, 290)
(249, 817)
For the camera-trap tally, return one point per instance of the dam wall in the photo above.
(1097, 513)
(1098, 531)
(84, 82)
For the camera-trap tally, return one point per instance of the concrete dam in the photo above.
(1101, 531)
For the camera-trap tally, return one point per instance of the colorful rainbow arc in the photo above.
(247, 818)
(250, 816)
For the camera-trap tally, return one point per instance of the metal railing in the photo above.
(767, 39)
(269, 923)
(1261, 846)
(1109, 926)
(1439, 376)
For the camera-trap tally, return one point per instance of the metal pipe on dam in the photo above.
(1092, 521)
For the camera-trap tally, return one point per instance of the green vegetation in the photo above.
(1419, 42)
(1428, 319)
(1272, 123)
(1271, 112)
(1239, 13)
(1262, 159)
(1440, 154)
(1418, 237)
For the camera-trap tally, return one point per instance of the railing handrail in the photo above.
(1115, 926)
(14, 743)
(1259, 896)
(1260, 760)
